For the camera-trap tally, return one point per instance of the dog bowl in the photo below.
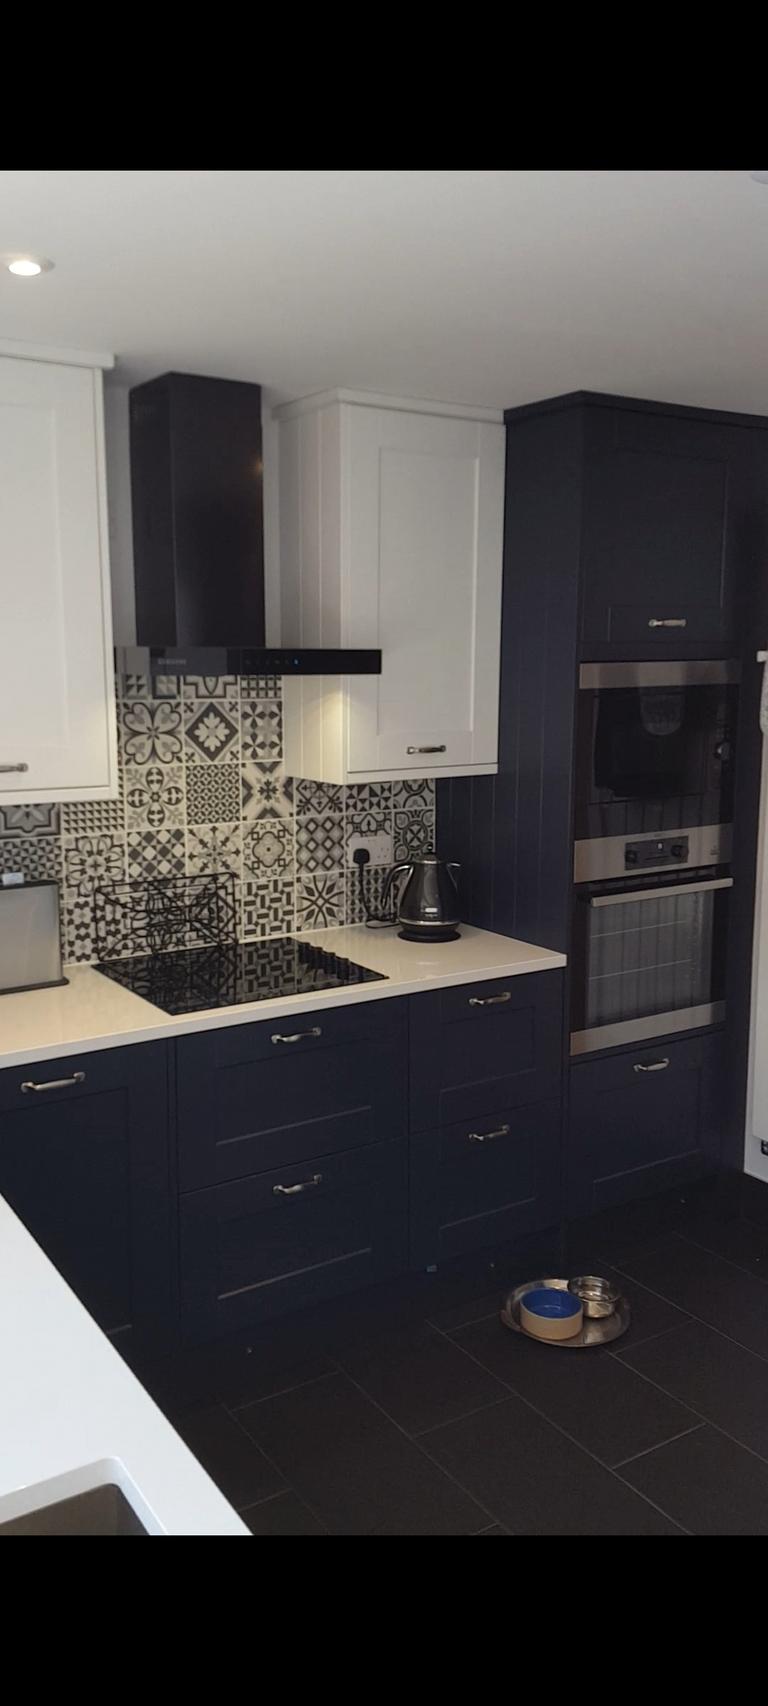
(599, 1297)
(551, 1314)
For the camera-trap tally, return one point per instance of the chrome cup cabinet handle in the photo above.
(490, 1000)
(668, 622)
(298, 1036)
(651, 1065)
(9, 769)
(411, 749)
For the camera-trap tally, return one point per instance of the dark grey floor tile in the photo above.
(718, 1379)
(255, 1376)
(594, 1398)
(650, 1315)
(495, 1529)
(475, 1309)
(707, 1483)
(707, 1287)
(534, 1480)
(354, 1467)
(737, 1240)
(284, 1514)
(231, 1457)
(420, 1378)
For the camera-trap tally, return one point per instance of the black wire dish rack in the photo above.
(164, 915)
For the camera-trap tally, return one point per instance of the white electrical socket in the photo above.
(379, 848)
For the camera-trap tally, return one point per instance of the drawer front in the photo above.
(250, 1103)
(481, 1182)
(643, 1121)
(663, 624)
(479, 1048)
(257, 1248)
(67, 1080)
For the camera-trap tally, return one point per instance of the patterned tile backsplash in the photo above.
(203, 788)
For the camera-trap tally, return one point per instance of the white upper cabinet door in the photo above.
(57, 718)
(425, 505)
(392, 537)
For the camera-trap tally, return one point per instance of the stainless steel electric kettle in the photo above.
(428, 905)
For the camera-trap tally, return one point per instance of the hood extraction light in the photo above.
(27, 266)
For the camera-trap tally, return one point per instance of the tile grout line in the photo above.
(577, 1443)
(280, 1392)
(699, 1319)
(705, 1420)
(649, 1449)
(696, 1244)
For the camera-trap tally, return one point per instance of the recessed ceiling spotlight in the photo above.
(759, 177)
(27, 266)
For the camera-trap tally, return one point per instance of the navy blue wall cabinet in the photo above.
(257, 1248)
(483, 1047)
(86, 1167)
(669, 502)
(643, 1120)
(251, 1097)
(483, 1182)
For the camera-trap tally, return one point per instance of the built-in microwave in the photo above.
(654, 765)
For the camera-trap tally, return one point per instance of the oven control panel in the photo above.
(669, 850)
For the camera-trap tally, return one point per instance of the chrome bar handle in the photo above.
(668, 622)
(295, 1190)
(651, 1065)
(489, 1136)
(411, 749)
(6, 769)
(490, 1000)
(53, 1084)
(667, 891)
(298, 1036)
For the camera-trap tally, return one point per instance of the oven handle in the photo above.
(662, 892)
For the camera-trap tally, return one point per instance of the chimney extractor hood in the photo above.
(198, 537)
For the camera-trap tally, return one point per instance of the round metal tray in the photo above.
(594, 1332)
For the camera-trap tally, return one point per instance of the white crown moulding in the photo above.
(54, 352)
(382, 400)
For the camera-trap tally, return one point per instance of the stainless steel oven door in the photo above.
(648, 961)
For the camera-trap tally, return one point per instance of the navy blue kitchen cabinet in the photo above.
(667, 496)
(485, 1070)
(644, 1120)
(84, 1162)
(292, 1154)
(255, 1096)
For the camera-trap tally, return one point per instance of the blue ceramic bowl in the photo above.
(554, 1305)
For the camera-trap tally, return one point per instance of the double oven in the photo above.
(653, 824)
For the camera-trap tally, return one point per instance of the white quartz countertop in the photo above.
(72, 1415)
(93, 1012)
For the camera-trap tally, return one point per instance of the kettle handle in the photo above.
(453, 865)
(389, 879)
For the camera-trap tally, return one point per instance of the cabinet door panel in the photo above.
(259, 1247)
(56, 614)
(479, 1048)
(86, 1168)
(484, 1181)
(665, 506)
(642, 1121)
(425, 518)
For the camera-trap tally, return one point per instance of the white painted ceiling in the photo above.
(476, 287)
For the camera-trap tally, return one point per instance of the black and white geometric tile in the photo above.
(92, 859)
(369, 809)
(374, 880)
(320, 902)
(262, 729)
(214, 847)
(261, 686)
(320, 842)
(414, 834)
(268, 848)
(36, 857)
(154, 796)
(151, 731)
(213, 793)
(210, 686)
(314, 798)
(155, 853)
(30, 820)
(266, 791)
(212, 731)
(149, 686)
(92, 817)
(268, 907)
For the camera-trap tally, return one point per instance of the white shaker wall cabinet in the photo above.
(57, 716)
(391, 536)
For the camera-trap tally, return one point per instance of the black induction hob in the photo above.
(192, 979)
